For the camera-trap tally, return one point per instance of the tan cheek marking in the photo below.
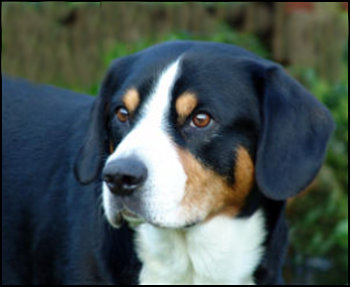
(185, 104)
(111, 147)
(131, 100)
(244, 171)
(244, 181)
(209, 192)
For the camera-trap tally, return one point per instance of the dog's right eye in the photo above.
(122, 114)
(201, 120)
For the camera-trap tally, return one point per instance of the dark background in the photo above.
(72, 44)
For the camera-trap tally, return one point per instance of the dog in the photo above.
(177, 173)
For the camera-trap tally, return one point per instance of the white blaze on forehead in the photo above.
(150, 143)
(158, 105)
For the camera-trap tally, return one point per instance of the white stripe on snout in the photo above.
(149, 141)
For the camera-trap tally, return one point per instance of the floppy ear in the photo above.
(88, 162)
(293, 137)
(90, 157)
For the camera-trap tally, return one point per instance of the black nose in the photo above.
(123, 176)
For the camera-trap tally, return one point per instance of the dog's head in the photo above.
(190, 128)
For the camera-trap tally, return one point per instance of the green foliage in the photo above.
(247, 41)
(319, 219)
(335, 97)
(223, 34)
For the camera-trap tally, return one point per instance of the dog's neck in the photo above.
(221, 251)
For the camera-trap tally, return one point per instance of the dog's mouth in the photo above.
(132, 213)
(126, 216)
(131, 218)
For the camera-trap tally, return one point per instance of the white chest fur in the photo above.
(221, 251)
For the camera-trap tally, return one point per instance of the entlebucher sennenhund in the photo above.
(189, 152)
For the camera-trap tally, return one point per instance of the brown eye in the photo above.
(122, 114)
(201, 120)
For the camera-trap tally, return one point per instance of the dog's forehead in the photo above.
(213, 78)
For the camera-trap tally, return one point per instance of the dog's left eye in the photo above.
(201, 120)
(122, 114)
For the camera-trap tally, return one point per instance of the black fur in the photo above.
(53, 230)
(53, 227)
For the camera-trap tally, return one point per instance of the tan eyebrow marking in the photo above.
(185, 104)
(131, 100)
